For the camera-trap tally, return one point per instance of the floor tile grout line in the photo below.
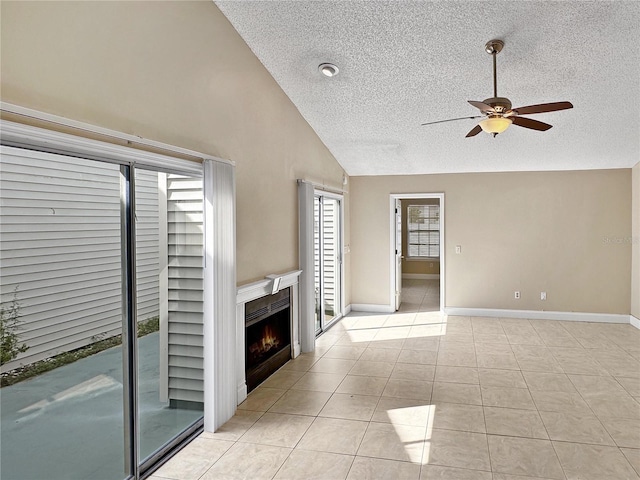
(558, 458)
(486, 430)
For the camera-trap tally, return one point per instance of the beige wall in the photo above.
(175, 72)
(532, 232)
(411, 266)
(635, 236)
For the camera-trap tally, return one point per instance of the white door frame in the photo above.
(399, 250)
(392, 246)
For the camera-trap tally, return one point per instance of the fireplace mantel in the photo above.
(251, 291)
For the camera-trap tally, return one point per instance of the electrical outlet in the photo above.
(458, 248)
(516, 295)
(543, 295)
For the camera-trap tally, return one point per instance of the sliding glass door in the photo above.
(169, 306)
(102, 299)
(327, 210)
(62, 415)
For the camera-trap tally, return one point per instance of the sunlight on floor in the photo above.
(416, 444)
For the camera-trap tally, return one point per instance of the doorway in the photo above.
(327, 247)
(417, 253)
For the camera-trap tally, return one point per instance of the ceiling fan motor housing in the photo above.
(500, 104)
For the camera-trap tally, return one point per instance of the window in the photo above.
(424, 231)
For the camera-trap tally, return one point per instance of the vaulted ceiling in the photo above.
(405, 63)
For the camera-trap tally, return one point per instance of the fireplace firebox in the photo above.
(267, 336)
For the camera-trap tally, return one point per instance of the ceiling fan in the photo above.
(497, 110)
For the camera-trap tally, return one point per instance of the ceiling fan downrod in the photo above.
(495, 76)
(493, 48)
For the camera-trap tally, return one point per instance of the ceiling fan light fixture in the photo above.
(495, 124)
(328, 69)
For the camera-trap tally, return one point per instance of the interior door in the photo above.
(327, 259)
(399, 255)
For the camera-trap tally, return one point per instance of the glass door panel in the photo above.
(61, 298)
(327, 260)
(331, 265)
(169, 271)
(316, 262)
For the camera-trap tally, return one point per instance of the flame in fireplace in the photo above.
(268, 341)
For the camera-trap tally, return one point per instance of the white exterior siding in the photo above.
(147, 244)
(330, 255)
(60, 248)
(181, 324)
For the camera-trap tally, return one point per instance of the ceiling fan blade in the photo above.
(474, 131)
(532, 124)
(542, 108)
(483, 107)
(451, 120)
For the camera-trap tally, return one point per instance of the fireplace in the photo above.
(245, 309)
(267, 336)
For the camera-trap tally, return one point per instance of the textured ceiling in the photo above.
(406, 63)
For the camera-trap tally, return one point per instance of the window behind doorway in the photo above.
(424, 231)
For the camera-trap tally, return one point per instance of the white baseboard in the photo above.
(347, 310)
(635, 321)
(370, 307)
(421, 276)
(539, 315)
(242, 393)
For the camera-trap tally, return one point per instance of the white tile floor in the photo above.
(417, 396)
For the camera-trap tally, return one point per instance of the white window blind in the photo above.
(423, 231)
